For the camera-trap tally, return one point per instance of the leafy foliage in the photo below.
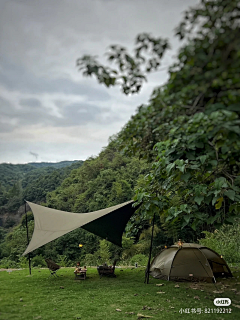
(140, 259)
(32, 182)
(102, 182)
(55, 165)
(204, 78)
(225, 241)
(132, 69)
(197, 163)
(104, 252)
(190, 128)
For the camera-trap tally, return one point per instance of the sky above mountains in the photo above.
(48, 110)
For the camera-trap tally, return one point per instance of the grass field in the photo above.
(42, 297)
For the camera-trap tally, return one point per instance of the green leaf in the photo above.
(230, 194)
(177, 213)
(208, 199)
(235, 129)
(225, 149)
(181, 168)
(211, 220)
(234, 107)
(214, 163)
(194, 225)
(168, 218)
(187, 218)
(220, 182)
(170, 167)
(179, 162)
(214, 199)
(237, 197)
(184, 224)
(195, 166)
(199, 199)
(203, 158)
(230, 219)
(199, 145)
(185, 176)
(219, 203)
(235, 188)
(200, 215)
(183, 207)
(191, 155)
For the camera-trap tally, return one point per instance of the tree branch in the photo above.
(227, 175)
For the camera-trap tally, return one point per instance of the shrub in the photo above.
(90, 260)
(123, 262)
(224, 241)
(6, 263)
(38, 261)
(140, 259)
(63, 261)
(104, 253)
(23, 261)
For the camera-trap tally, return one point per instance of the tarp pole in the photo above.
(29, 260)
(150, 253)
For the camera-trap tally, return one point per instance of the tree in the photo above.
(131, 69)
(204, 77)
(189, 131)
(104, 252)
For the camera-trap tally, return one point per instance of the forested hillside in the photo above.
(101, 182)
(11, 173)
(31, 182)
(190, 130)
(56, 165)
(178, 155)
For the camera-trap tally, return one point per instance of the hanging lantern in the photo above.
(80, 245)
(165, 247)
(221, 256)
(180, 243)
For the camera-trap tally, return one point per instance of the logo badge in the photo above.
(222, 302)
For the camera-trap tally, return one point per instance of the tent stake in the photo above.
(29, 260)
(150, 253)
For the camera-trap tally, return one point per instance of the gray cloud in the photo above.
(41, 87)
(32, 112)
(4, 106)
(15, 117)
(5, 119)
(18, 77)
(78, 113)
(5, 127)
(31, 102)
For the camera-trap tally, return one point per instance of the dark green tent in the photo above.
(190, 261)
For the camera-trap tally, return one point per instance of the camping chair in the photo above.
(107, 271)
(53, 267)
(81, 275)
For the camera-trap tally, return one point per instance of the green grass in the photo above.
(95, 298)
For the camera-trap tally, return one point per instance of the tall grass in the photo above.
(225, 241)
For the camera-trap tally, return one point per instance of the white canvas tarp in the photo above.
(51, 224)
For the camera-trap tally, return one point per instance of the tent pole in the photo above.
(29, 260)
(150, 253)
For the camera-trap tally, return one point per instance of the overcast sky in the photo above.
(48, 110)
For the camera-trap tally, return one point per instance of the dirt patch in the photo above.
(10, 269)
